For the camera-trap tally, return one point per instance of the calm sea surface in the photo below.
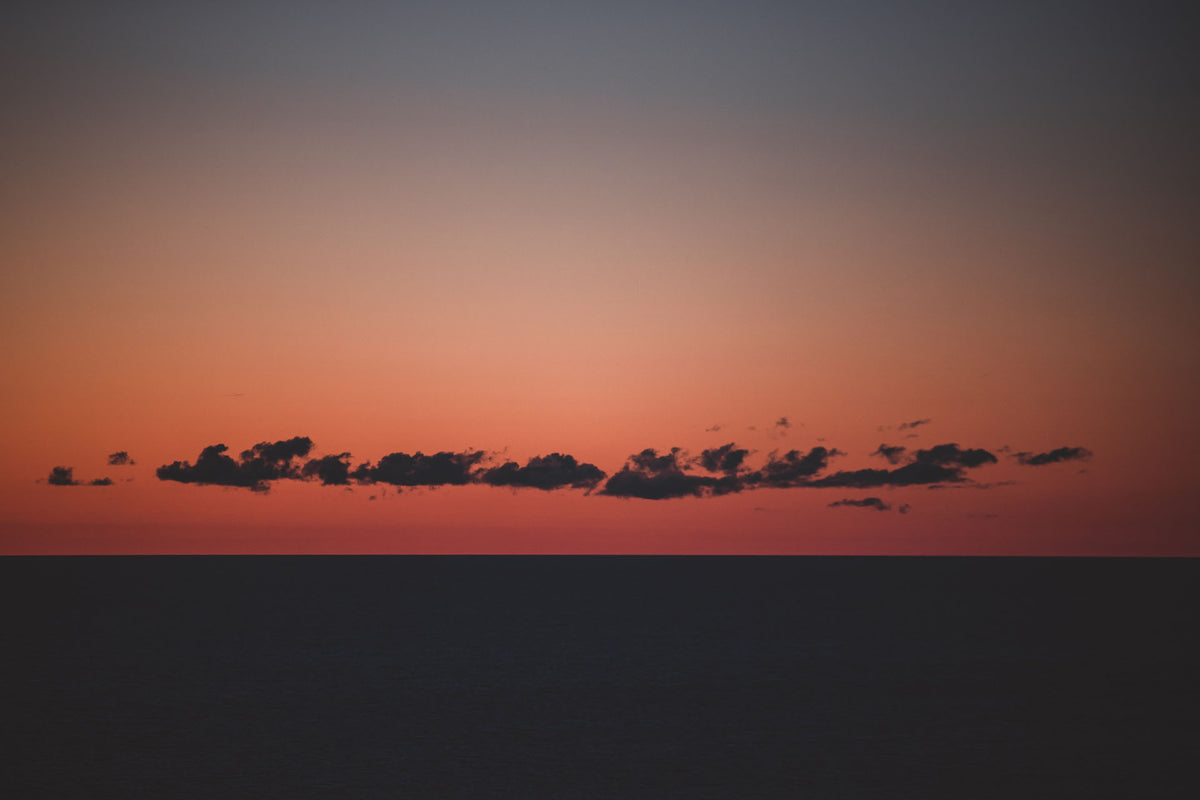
(599, 677)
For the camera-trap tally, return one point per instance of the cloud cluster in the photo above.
(792, 468)
(266, 462)
(554, 471)
(1054, 456)
(437, 469)
(256, 467)
(120, 459)
(649, 474)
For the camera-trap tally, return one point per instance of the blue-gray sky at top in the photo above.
(947, 63)
(1095, 97)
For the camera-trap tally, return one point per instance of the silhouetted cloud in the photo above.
(120, 459)
(951, 455)
(914, 424)
(943, 463)
(974, 485)
(62, 476)
(438, 469)
(649, 476)
(909, 475)
(714, 428)
(893, 453)
(276, 457)
(65, 476)
(264, 462)
(866, 502)
(727, 458)
(792, 468)
(554, 471)
(330, 470)
(904, 508)
(1054, 456)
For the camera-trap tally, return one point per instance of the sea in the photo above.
(599, 677)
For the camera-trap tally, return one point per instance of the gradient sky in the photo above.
(592, 229)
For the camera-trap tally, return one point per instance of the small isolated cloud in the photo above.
(62, 476)
(714, 428)
(893, 453)
(916, 423)
(866, 502)
(1054, 456)
(554, 471)
(65, 476)
(262, 463)
(437, 469)
(780, 428)
(904, 509)
(120, 459)
(650, 476)
(329, 470)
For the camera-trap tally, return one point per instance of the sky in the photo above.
(571, 277)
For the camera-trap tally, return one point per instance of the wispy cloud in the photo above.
(1054, 456)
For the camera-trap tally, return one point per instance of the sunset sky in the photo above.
(508, 230)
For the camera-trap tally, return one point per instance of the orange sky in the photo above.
(444, 255)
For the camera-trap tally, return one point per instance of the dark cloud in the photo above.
(727, 458)
(914, 424)
(974, 485)
(330, 470)
(866, 502)
(950, 455)
(649, 476)
(554, 471)
(65, 476)
(437, 469)
(714, 428)
(62, 476)
(909, 475)
(904, 509)
(1054, 456)
(264, 462)
(120, 459)
(277, 456)
(943, 463)
(893, 453)
(783, 422)
(792, 468)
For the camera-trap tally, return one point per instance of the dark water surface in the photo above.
(599, 677)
